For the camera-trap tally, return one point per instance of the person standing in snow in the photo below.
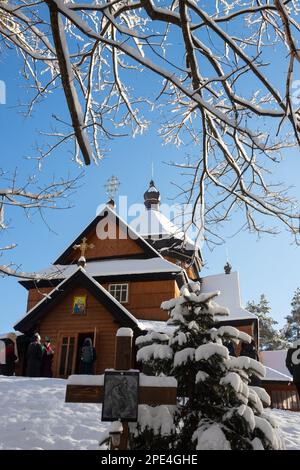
(249, 350)
(48, 353)
(229, 345)
(293, 364)
(10, 355)
(34, 357)
(87, 357)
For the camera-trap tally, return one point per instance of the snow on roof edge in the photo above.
(230, 293)
(60, 271)
(281, 377)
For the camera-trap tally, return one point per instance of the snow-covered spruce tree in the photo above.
(216, 409)
(269, 337)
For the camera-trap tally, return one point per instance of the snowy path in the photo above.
(33, 415)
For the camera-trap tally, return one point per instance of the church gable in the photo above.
(108, 236)
(73, 294)
(78, 311)
(78, 308)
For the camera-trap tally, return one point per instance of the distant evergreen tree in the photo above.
(291, 330)
(216, 407)
(269, 337)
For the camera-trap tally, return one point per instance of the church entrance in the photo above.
(70, 351)
(80, 341)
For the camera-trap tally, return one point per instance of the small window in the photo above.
(119, 292)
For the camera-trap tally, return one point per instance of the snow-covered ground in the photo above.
(33, 415)
(289, 425)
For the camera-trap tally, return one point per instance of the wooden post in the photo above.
(123, 349)
(123, 354)
(153, 391)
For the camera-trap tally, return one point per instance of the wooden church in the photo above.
(114, 275)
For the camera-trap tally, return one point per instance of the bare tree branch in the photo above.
(212, 68)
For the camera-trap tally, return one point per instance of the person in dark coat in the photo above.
(87, 357)
(293, 364)
(249, 350)
(10, 355)
(229, 345)
(48, 353)
(34, 357)
(2, 356)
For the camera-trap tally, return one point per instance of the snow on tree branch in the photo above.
(29, 196)
(210, 70)
(218, 404)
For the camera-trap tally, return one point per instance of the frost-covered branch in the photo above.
(210, 70)
(32, 197)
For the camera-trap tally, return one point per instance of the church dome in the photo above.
(152, 197)
(153, 225)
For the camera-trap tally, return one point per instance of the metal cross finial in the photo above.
(112, 186)
(227, 268)
(83, 246)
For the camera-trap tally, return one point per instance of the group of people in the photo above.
(248, 350)
(39, 357)
(292, 359)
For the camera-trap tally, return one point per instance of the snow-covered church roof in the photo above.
(153, 224)
(273, 375)
(230, 296)
(276, 360)
(111, 267)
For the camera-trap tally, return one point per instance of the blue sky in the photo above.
(269, 265)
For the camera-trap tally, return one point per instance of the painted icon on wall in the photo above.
(79, 305)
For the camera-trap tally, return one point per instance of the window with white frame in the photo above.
(119, 292)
